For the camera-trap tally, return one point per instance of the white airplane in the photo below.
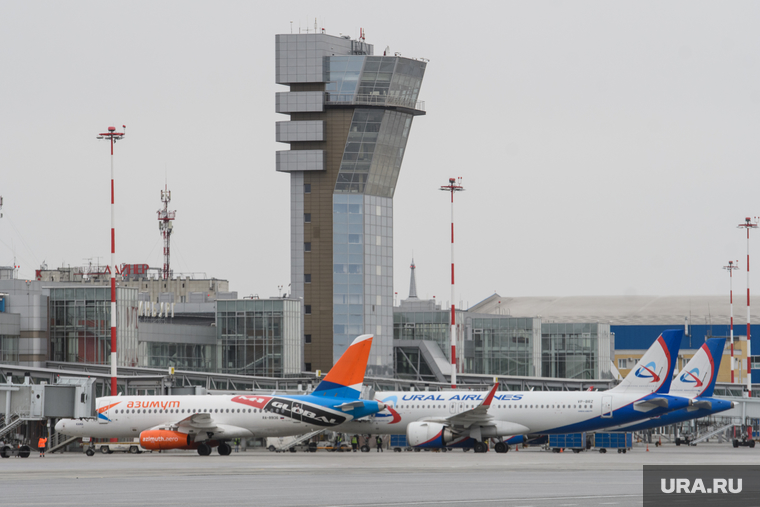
(202, 422)
(461, 419)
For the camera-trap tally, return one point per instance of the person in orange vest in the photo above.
(41, 445)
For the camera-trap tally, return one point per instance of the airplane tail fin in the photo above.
(699, 375)
(654, 371)
(345, 378)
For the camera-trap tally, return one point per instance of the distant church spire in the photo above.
(413, 283)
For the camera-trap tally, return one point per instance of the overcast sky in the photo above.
(606, 148)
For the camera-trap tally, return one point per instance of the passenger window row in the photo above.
(503, 406)
(182, 411)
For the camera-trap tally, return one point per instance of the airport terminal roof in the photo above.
(621, 310)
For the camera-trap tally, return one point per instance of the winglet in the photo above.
(345, 378)
(487, 402)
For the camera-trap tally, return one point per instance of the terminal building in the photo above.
(496, 343)
(350, 113)
(68, 321)
(635, 322)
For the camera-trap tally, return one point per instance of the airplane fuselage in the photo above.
(541, 412)
(234, 416)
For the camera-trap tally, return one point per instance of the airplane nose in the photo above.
(59, 426)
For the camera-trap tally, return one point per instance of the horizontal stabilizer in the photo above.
(347, 407)
(650, 404)
(706, 404)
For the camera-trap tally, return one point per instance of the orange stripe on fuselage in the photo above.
(103, 409)
(345, 371)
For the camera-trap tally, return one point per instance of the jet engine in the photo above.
(157, 440)
(429, 435)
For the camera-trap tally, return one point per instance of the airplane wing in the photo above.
(193, 424)
(477, 415)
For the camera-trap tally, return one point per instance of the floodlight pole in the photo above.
(748, 224)
(113, 136)
(731, 269)
(453, 186)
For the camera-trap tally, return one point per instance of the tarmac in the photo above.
(526, 478)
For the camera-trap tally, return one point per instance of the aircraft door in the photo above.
(460, 407)
(606, 406)
(452, 407)
(296, 411)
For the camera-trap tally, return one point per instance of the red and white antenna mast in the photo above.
(748, 224)
(113, 136)
(731, 269)
(453, 186)
(165, 218)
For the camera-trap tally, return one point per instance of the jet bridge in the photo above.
(22, 404)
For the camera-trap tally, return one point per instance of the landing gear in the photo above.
(501, 447)
(204, 449)
(744, 443)
(481, 447)
(224, 449)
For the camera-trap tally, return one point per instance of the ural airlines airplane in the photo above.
(696, 381)
(460, 419)
(203, 422)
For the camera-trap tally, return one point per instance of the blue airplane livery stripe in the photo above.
(333, 390)
(620, 416)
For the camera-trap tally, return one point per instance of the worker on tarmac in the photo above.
(41, 444)
(355, 442)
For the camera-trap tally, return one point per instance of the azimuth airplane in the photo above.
(459, 419)
(202, 422)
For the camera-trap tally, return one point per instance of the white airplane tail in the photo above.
(654, 372)
(698, 376)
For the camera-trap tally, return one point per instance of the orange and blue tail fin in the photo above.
(346, 377)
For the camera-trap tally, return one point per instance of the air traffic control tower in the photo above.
(350, 115)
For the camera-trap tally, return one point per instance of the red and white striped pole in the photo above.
(731, 269)
(452, 187)
(748, 224)
(113, 136)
